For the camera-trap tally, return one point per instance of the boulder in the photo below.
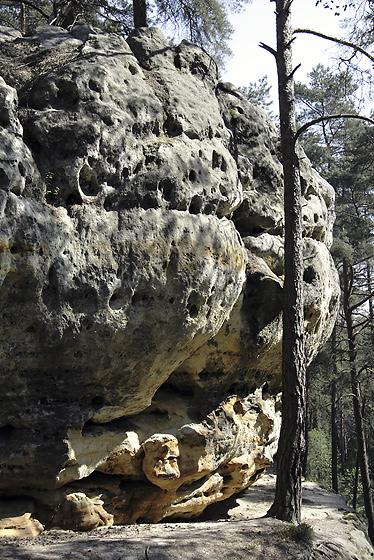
(141, 274)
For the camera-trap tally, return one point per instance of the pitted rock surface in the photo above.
(141, 273)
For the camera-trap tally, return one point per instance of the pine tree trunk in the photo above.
(355, 386)
(355, 482)
(140, 13)
(62, 16)
(371, 310)
(343, 443)
(22, 18)
(334, 427)
(287, 502)
(334, 440)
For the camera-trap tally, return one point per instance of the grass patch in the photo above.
(300, 533)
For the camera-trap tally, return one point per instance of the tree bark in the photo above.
(140, 13)
(287, 502)
(334, 440)
(22, 18)
(63, 15)
(334, 414)
(355, 482)
(355, 386)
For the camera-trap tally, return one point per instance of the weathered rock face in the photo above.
(141, 265)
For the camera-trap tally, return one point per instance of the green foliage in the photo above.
(258, 93)
(327, 93)
(319, 457)
(300, 533)
(204, 22)
(110, 15)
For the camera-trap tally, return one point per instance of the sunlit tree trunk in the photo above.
(287, 502)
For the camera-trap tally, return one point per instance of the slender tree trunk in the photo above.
(355, 386)
(287, 502)
(334, 427)
(343, 443)
(355, 482)
(22, 18)
(371, 310)
(334, 440)
(140, 13)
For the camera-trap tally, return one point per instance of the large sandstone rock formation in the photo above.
(141, 266)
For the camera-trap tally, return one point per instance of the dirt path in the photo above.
(231, 531)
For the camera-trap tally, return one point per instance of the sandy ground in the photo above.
(233, 530)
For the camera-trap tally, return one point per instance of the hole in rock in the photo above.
(309, 275)
(193, 311)
(223, 190)
(196, 205)
(138, 167)
(73, 199)
(21, 169)
(4, 179)
(133, 69)
(172, 127)
(194, 303)
(136, 129)
(16, 248)
(97, 402)
(108, 204)
(192, 175)
(149, 201)
(210, 208)
(177, 62)
(108, 120)
(167, 187)
(118, 300)
(94, 85)
(88, 181)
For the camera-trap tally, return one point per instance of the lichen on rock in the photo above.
(141, 274)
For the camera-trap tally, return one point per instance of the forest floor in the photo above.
(231, 530)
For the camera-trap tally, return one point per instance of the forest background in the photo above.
(342, 151)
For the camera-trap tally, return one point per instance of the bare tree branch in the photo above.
(269, 49)
(31, 5)
(307, 125)
(336, 40)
